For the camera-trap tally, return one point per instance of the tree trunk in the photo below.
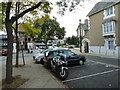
(17, 46)
(8, 24)
(10, 51)
(16, 33)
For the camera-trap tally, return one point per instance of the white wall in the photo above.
(28, 45)
(102, 50)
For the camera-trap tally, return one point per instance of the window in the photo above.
(108, 27)
(67, 52)
(109, 12)
(111, 44)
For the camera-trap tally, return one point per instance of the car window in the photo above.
(55, 53)
(50, 54)
(4, 49)
(68, 52)
(60, 52)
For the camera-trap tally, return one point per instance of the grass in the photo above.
(17, 81)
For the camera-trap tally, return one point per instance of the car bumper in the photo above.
(47, 63)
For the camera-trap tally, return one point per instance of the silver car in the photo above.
(38, 57)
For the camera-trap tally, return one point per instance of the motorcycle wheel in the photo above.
(64, 75)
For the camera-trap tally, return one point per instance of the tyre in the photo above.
(64, 75)
(36, 61)
(81, 62)
(41, 61)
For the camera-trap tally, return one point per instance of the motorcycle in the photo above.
(58, 64)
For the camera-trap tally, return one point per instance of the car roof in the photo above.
(55, 49)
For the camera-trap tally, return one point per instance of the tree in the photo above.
(8, 24)
(72, 40)
(70, 5)
(10, 19)
(50, 29)
(16, 33)
(29, 29)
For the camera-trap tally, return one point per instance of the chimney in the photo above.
(86, 22)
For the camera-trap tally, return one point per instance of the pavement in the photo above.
(38, 75)
(93, 54)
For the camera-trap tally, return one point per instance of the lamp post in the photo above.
(80, 38)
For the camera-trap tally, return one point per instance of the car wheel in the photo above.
(81, 62)
(41, 61)
(36, 61)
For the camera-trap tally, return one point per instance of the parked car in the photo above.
(38, 57)
(3, 51)
(72, 58)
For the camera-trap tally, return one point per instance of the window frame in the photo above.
(108, 11)
(111, 45)
(108, 28)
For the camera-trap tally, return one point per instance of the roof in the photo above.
(101, 6)
(84, 26)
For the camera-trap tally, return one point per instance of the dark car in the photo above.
(3, 51)
(71, 57)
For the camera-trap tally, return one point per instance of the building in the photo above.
(104, 35)
(3, 39)
(25, 42)
(82, 31)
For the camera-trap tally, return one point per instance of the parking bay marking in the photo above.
(91, 75)
(115, 66)
(105, 64)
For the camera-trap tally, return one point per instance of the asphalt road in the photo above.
(97, 73)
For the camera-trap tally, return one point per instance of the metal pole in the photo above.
(80, 36)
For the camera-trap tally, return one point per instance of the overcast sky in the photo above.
(71, 19)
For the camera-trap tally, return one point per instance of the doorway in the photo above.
(86, 47)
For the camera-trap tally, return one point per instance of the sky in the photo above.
(71, 19)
